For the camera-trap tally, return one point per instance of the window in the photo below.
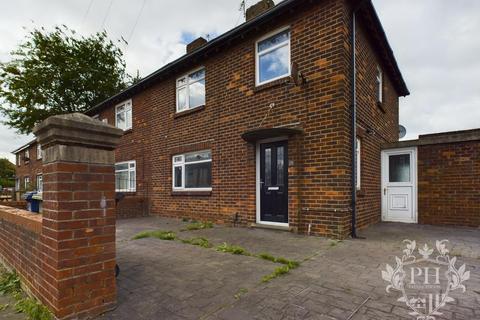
(125, 176)
(26, 183)
(273, 57)
(399, 168)
(27, 155)
(358, 152)
(193, 171)
(379, 85)
(39, 152)
(40, 183)
(123, 115)
(191, 90)
(17, 184)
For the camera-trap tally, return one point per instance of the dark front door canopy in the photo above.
(255, 135)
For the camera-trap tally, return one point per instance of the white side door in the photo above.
(399, 185)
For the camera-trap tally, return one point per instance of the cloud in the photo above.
(436, 44)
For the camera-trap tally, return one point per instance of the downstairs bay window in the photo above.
(192, 171)
(125, 176)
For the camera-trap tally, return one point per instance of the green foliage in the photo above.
(7, 173)
(198, 226)
(3, 306)
(202, 242)
(240, 293)
(266, 256)
(280, 271)
(292, 264)
(33, 310)
(225, 247)
(10, 284)
(162, 235)
(57, 72)
(334, 243)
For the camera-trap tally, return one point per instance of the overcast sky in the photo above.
(436, 43)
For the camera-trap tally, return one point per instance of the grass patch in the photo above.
(292, 264)
(10, 284)
(162, 235)
(240, 293)
(280, 271)
(225, 247)
(202, 242)
(334, 243)
(198, 226)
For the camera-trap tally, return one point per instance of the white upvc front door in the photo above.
(399, 185)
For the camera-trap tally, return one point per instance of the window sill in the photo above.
(127, 131)
(189, 111)
(192, 193)
(380, 106)
(276, 83)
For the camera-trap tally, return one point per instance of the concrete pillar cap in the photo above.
(77, 129)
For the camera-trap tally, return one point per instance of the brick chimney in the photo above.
(195, 44)
(259, 8)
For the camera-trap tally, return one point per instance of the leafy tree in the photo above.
(59, 72)
(7, 173)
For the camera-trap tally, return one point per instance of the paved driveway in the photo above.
(336, 280)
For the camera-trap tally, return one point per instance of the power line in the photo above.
(136, 22)
(87, 12)
(106, 15)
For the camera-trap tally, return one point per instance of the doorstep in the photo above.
(271, 227)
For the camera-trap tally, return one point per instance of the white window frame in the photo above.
(257, 55)
(26, 156)
(129, 170)
(17, 184)
(39, 152)
(187, 89)
(26, 182)
(181, 163)
(358, 152)
(379, 80)
(39, 183)
(128, 107)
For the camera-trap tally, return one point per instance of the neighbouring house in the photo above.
(279, 122)
(28, 169)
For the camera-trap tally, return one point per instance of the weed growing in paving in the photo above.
(240, 293)
(198, 226)
(202, 242)
(291, 263)
(162, 235)
(333, 243)
(10, 284)
(225, 247)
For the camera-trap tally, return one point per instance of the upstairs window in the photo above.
(273, 57)
(125, 176)
(17, 184)
(379, 86)
(26, 183)
(26, 156)
(39, 152)
(191, 90)
(123, 115)
(193, 171)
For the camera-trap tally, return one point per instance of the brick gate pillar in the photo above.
(78, 227)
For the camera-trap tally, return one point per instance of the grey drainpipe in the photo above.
(354, 120)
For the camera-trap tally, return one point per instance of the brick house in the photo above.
(255, 126)
(277, 123)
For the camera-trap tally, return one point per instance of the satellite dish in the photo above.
(402, 131)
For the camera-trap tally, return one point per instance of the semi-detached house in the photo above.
(257, 126)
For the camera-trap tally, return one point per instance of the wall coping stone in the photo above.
(437, 138)
(22, 218)
(77, 129)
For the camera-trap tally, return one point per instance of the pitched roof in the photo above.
(366, 10)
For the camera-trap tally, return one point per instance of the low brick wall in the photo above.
(449, 184)
(15, 204)
(20, 247)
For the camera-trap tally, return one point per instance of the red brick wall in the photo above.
(449, 184)
(376, 125)
(20, 246)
